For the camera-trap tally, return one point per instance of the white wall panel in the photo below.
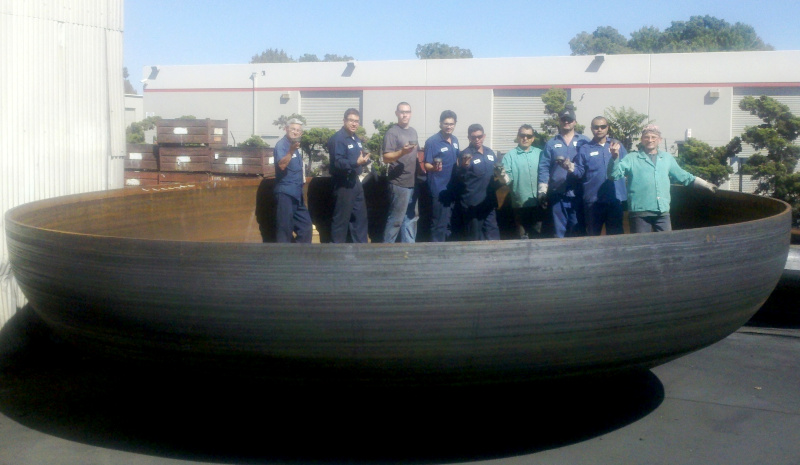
(61, 107)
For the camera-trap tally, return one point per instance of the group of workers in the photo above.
(576, 186)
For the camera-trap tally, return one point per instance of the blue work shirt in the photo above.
(558, 182)
(477, 177)
(437, 146)
(591, 169)
(344, 151)
(290, 180)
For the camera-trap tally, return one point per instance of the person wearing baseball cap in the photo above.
(559, 191)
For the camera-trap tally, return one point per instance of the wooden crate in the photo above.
(232, 177)
(237, 160)
(140, 178)
(181, 178)
(190, 159)
(268, 165)
(192, 131)
(141, 157)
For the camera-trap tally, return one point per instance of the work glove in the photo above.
(701, 184)
(501, 175)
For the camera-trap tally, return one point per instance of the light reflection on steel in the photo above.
(181, 275)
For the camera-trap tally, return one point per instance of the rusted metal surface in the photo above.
(141, 157)
(182, 276)
(181, 158)
(192, 131)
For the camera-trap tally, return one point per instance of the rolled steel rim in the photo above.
(391, 313)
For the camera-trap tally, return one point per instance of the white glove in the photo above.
(542, 188)
(701, 184)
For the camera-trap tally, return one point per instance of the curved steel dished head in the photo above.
(182, 275)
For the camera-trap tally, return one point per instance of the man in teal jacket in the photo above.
(522, 169)
(648, 173)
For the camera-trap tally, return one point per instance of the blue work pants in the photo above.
(603, 213)
(350, 211)
(291, 216)
(567, 216)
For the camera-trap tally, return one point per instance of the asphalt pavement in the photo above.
(736, 402)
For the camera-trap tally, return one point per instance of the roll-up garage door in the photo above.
(325, 109)
(511, 108)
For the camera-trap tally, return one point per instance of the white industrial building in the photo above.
(63, 113)
(686, 94)
(62, 125)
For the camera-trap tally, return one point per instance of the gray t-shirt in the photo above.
(401, 172)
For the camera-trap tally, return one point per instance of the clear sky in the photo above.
(183, 32)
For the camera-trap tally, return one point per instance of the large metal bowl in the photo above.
(181, 275)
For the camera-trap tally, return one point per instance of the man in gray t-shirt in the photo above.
(400, 151)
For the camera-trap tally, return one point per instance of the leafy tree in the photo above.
(254, 142)
(272, 55)
(774, 170)
(284, 120)
(438, 51)
(314, 145)
(334, 57)
(645, 40)
(699, 34)
(709, 34)
(375, 145)
(625, 125)
(555, 101)
(710, 163)
(605, 39)
(308, 57)
(134, 134)
(128, 86)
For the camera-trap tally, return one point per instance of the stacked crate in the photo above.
(194, 150)
(184, 147)
(182, 131)
(141, 165)
(239, 161)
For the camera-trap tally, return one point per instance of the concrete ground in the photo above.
(736, 402)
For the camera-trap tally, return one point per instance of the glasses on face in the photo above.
(567, 120)
(476, 137)
(449, 125)
(353, 120)
(525, 136)
(599, 126)
(404, 112)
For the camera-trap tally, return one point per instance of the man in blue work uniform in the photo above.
(346, 161)
(441, 153)
(476, 171)
(291, 214)
(562, 193)
(603, 199)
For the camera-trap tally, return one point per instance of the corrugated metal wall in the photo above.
(61, 107)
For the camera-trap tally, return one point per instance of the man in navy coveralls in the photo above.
(346, 162)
